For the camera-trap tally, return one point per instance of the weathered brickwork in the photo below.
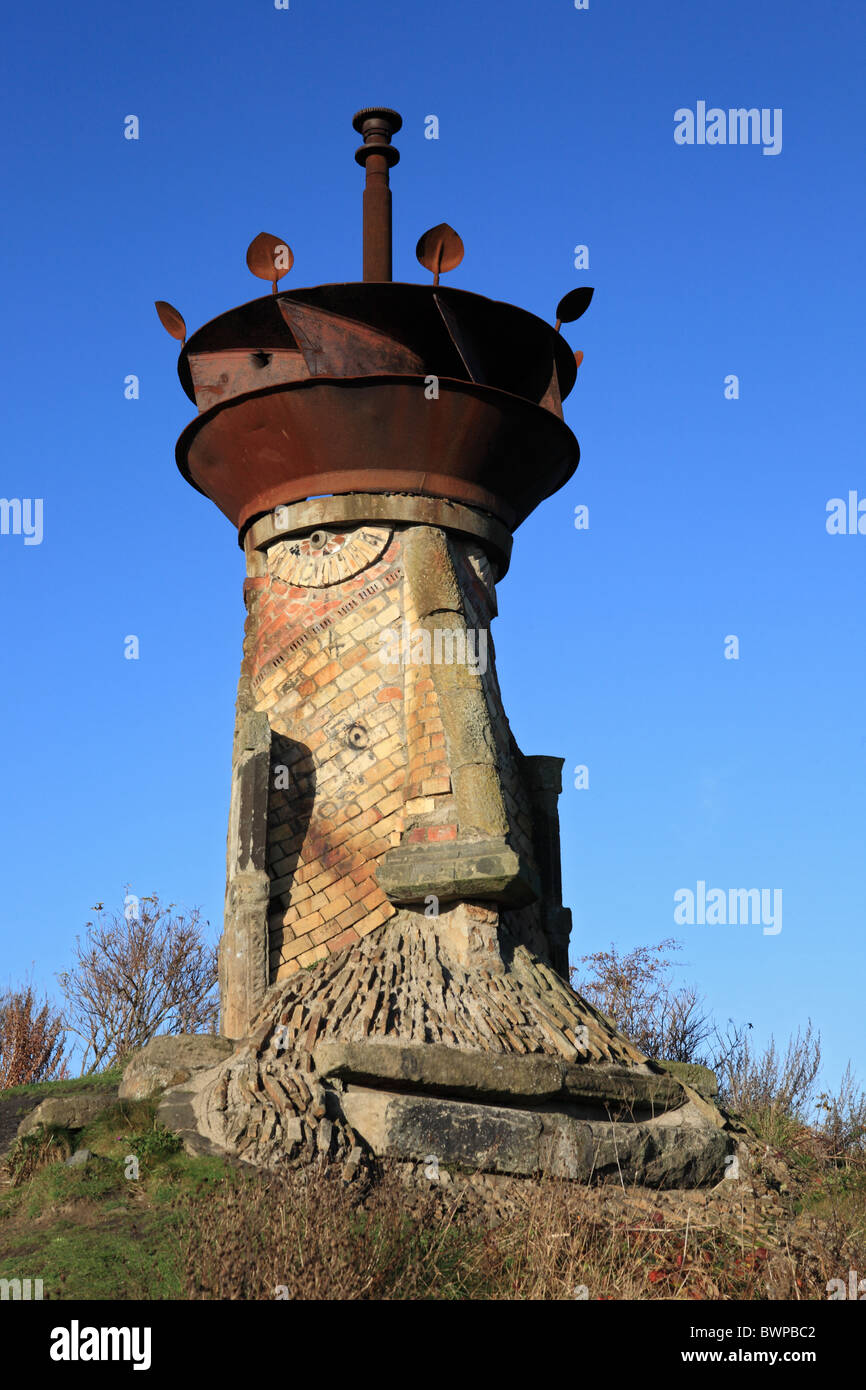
(338, 764)
(362, 757)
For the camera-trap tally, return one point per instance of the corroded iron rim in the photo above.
(387, 480)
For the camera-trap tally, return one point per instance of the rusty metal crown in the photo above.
(376, 386)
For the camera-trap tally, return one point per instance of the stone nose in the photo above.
(461, 841)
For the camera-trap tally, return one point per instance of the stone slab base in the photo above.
(491, 1077)
(676, 1149)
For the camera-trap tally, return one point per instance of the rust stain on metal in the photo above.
(171, 319)
(218, 376)
(374, 387)
(334, 345)
(439, 249)
(270, 258)
(378, 434)
(377, 124)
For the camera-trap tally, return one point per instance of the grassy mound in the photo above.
(141, 1219)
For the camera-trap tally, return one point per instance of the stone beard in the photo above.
(375, 773)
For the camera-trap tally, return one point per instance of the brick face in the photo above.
(338, 723)
(360, 755)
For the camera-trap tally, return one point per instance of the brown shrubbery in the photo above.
(634, 989)
(775, 1094)
(32, 1044)
(139, 973)
(307, 1236)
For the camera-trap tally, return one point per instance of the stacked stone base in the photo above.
(392, 1049)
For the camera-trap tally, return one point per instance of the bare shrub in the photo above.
(842, 1120)
(136, 975)
(635, 991)
(32, 1042)
(762, 1080)
(774, 1093)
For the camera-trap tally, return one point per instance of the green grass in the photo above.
(108, 1079)
(841, 1190)
(90, 1234)
(94, 1233)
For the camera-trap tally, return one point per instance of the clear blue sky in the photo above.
(707, 516)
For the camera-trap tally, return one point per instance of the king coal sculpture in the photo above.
(394, 963)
